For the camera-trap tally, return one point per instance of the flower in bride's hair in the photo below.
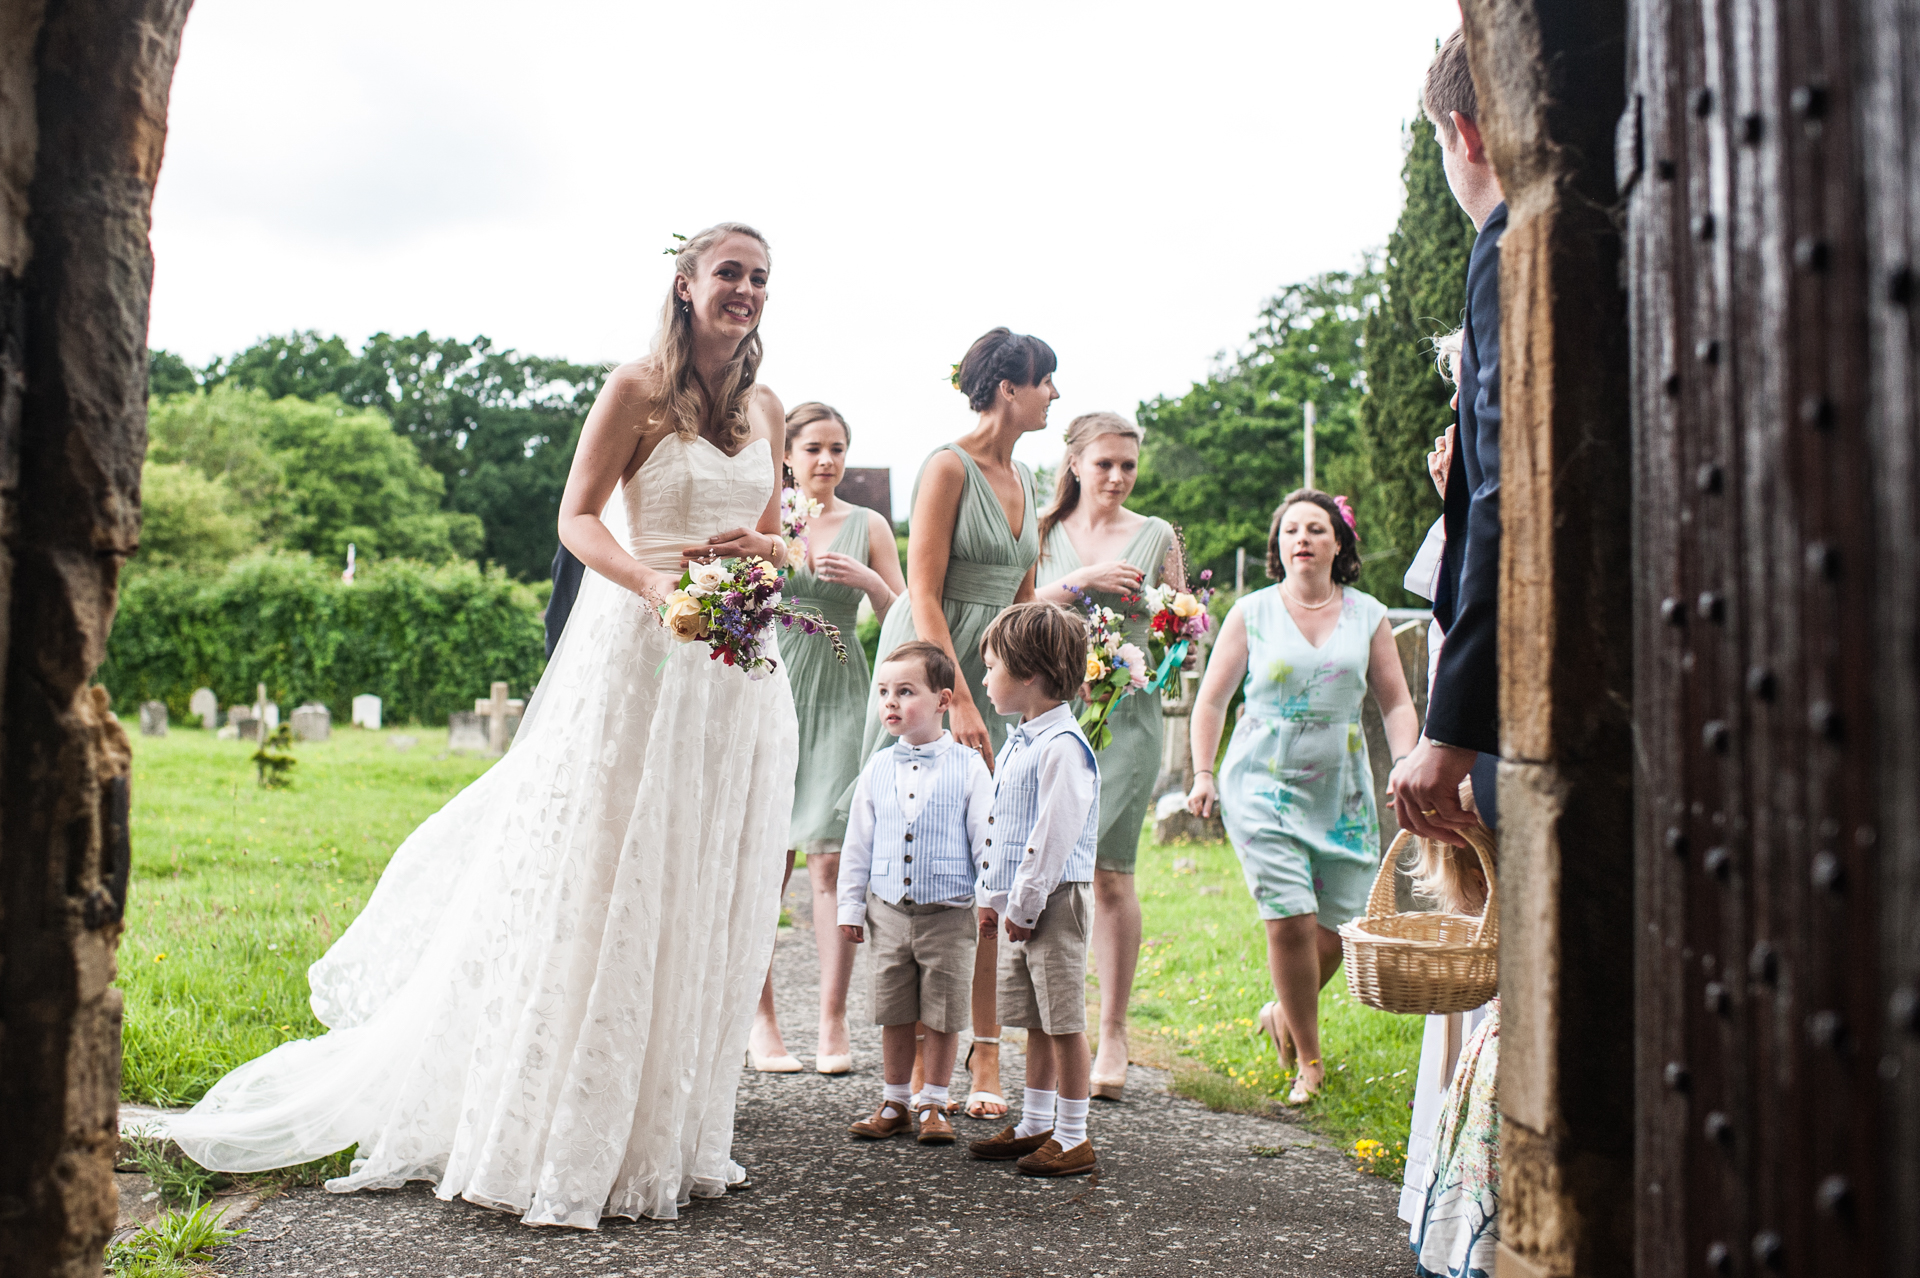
(683, 616)
(679, 242)
(705, 578)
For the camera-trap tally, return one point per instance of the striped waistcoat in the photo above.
(925, 860)
(1016, 808)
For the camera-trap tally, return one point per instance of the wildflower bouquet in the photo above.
(1178, 618)
(1115, 667)
(797, 510)
(731, 604)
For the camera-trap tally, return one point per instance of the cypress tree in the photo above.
(1423, 296)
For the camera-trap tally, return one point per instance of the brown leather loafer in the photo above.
(882, 1124)
(1004, 1146)
(1051, 1160)
(933, 1127)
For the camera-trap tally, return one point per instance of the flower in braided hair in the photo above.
(1346, 513)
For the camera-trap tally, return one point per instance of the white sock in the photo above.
(931, 1095)
(899, 1095)
(1070, 1128)
(1036, 1113)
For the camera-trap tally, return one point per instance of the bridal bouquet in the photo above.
(730, 604)
(1115, 667)
(1177, 618)
(797, 510)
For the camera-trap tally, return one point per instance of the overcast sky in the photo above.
(1129, 181)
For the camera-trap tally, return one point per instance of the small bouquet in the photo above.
(797, 510)
(1178, 617)
(1115, 667)
(730, 604)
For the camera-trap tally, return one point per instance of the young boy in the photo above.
(906, 876)
(1036, 874)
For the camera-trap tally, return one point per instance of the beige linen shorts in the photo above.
(1042, 982)
(922, 964)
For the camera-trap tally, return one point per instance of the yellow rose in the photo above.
(1185, 605)
(682, 615)
(1096, 668)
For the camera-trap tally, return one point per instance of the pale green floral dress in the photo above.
(1296, 789)
(984, 572)
(829, 696)
(1459, 1227)
(1131, 762)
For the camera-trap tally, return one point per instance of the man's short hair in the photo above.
(1449, 88)
(933, 659)
(1043, 641)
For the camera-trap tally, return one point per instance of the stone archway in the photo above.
(83, 109)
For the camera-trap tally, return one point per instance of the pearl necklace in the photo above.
(1298, 602)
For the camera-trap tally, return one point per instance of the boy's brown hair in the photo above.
(1043, 641)
(933, 659)
(1449, 87)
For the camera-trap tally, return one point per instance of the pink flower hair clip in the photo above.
(1346, 513)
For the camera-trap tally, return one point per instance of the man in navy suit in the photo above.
(1462, 735)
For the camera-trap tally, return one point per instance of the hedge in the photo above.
(426, 640)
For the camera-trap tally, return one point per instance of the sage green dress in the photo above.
(829, 696)
(1131, 762)
(984, 572)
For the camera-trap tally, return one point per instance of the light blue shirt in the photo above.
(1045, 824)
(918, 812)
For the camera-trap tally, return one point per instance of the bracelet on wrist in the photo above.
(1202, 772)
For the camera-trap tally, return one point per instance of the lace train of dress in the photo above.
(544, 1006)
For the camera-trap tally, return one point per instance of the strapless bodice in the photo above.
(687, 491)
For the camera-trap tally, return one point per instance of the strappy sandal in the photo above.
(1301, 1093)
(979, 1098)
(1274, 1025)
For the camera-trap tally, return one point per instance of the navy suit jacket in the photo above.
(1463, 707)
(567, 572)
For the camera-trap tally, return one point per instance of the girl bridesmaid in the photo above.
(971, 548)
(1297, 791)
(1091, 544)
(851, 555)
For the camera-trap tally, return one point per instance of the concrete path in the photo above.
(1180, 1191)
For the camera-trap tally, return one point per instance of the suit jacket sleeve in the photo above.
(1463, 708)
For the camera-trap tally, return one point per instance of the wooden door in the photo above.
(1766, 157)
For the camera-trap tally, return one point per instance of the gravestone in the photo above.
(153, 719)
(502, 716)
(204, 706)
(312, 722)
(242, 724)
(466, 733)
(366, 711)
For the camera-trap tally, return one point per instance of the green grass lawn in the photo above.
(236, 890)
(1202, 979)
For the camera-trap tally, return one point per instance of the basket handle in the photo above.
(1380, 902)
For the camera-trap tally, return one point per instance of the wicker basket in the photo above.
(1426, 962)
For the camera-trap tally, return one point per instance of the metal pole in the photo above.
(1307, 408)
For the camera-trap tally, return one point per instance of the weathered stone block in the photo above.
(153, 719)
(312, 722)
(466, 733)
(204, 706)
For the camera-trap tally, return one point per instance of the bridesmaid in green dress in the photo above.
(851, 555)
(1296, 789)
(971, 548)
(1092, 544)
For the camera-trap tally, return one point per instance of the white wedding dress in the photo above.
(545, 1004)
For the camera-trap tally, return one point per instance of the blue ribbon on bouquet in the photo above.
(1169, 663)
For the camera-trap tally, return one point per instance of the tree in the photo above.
(188, 520)
(1422, 296)
(168, 374)
(497, 425)
(1218, 459)
(315, 476)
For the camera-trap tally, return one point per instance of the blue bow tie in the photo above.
(901, 750)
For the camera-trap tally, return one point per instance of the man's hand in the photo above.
(1426, 791)
(1017, 933)
(854, 932)
(989, 924)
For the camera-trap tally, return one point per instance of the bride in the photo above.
(545, 1004)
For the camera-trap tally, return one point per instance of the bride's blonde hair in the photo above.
(681, 397)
